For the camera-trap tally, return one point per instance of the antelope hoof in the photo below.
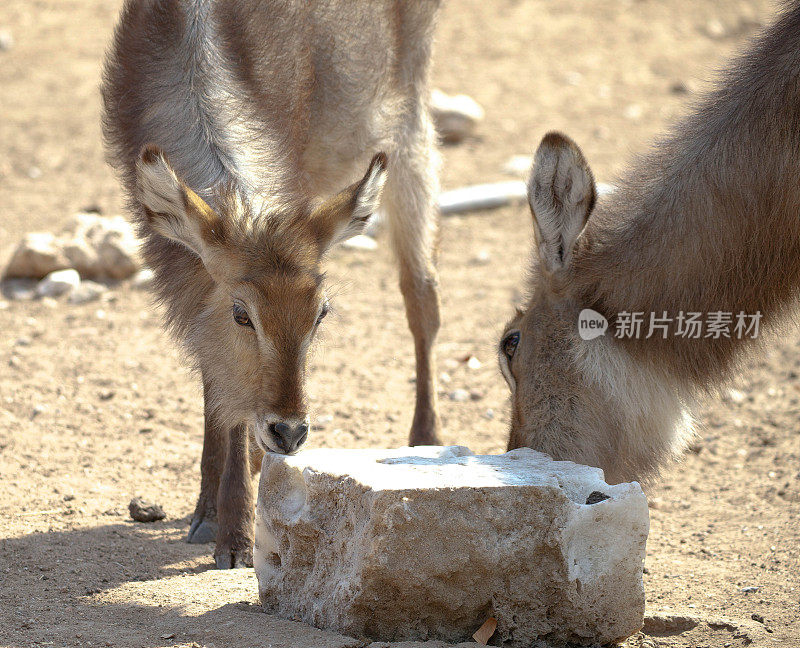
(202, 531)
(227, 558)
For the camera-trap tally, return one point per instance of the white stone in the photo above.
(37, 255)
(459, 395)
(360, 242)
(6, 40)
(143, 279)
(119, 253)
(87, 291)
(518, 165)
(428, 542)
(58, 283)
(455, 116)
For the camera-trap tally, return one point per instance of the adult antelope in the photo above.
(228, 120)
(708, 223)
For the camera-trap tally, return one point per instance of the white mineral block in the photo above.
(429, 542)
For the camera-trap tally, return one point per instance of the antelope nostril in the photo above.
(287, 437)
(280, 429)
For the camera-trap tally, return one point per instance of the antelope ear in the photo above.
(347, 213)
(173, 210)
(561, 194)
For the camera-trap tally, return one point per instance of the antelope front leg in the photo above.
(204, 521)
(235, 505)
(409, 198)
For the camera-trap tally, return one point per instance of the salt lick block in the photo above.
(428, 542)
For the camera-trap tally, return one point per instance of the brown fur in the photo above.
(707, 222)
(229, 122)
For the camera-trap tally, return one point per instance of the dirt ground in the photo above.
(96, 405)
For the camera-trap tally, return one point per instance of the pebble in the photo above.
(86, 292)
(19, 289)
(58, 283)
(633, 111)
(715, 29)
(6, 40)
(488, 414)
(474, 363)
(481, 258)
(455, 116)
(361, 242)
(459, 395)
(518, 165)
(445, 377)
(142, 511)
(476, 394)
(751, 589)
(143, 279)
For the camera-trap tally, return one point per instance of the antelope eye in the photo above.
(509, 343)
(325, 308)
(240, 316)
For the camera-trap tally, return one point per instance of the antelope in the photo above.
(235, 126)
(708, 222)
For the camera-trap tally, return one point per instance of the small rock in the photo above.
(595, 497)
(119, 253)
(82, 256)
(86, 292)
(757, 617)
(6, 40)
(58, 283)
(456, 116)
(679, 88)
(488, 414)
(750, 589)
(482, 197)
(476, 394)
(715, 29)
(474, 363)
(34, 173)
(19, 289)
(459, 395)
(736, 396)
(37, 255)
(445, 378)
(38, 409)
(143, 279)
(142, 511)
(633, 111)
(360, 242)
(518, 165)
(482, 258)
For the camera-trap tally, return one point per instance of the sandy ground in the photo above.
(96, 405)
